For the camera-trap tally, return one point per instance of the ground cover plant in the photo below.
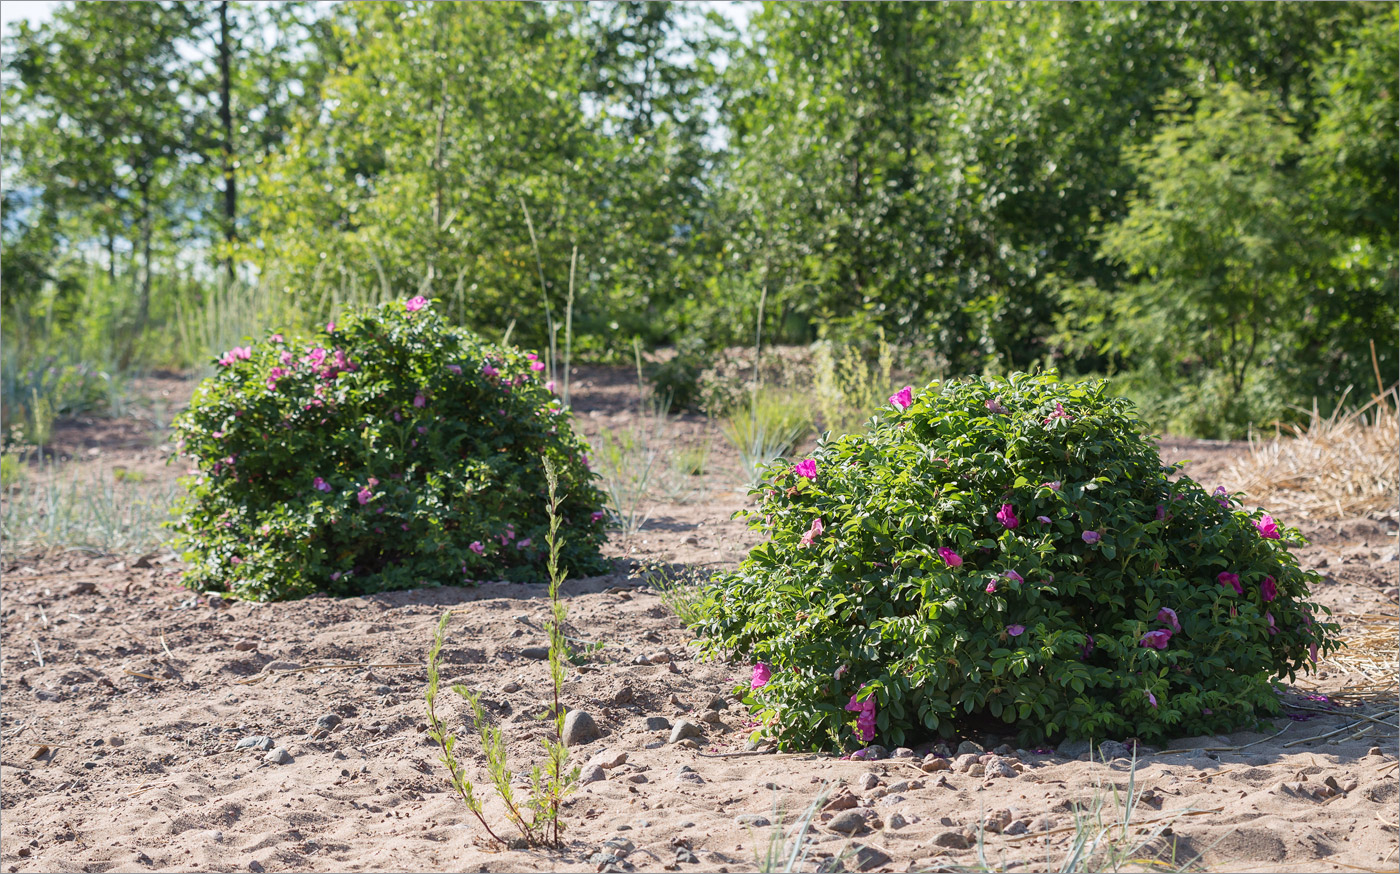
(1009, 550)
(388, 451)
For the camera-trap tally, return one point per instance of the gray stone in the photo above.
(383, 690)
(1019, 827)
(868, 781)
(328, 722)
(752, 819)
(255, 742)
(637, 778)
(868, 858)
(691, 777)
(719, 702)
(964, 762)
(592, 775)
(685, 728)
(1004, 750)
(848, 822)
(999, 767)
(896, 821)
(510, 687)
(1073, 749)
(977, 770)
(538, 653)
(968, 747)
(710, 716)
(619, 846)
(658, 723)
(279, 756)
(608, 759)
(603, 859)
(934, 763)
(1112, 749)
(874, 753)
(579, 728)
(952, 840)
(902, 753)
(685, 857)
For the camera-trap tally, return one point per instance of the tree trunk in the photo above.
(226, 124)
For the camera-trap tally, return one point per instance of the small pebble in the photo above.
(752, 819)
(538, 653)
(658, 723)
(510, 687)
(867, 781)
(710, 716)
(847, 822)
(685, 728)
(896, 821)
(256, 742)
(328, 722)
(580, 728)
(279, 756)
(592, 775)
(637, 778)
(383, 690)
(968, 747)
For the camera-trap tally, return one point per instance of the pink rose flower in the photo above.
(522, 544)
(320, 485)
(1273, 629)
(1267, 528)
(807, 467)
(994, 405)
(363, 496)
(1225, 578)
(1167, 616)
(414, 304)
(549, 386)
(488, 371)
(1091, 537)
(455, 369)
(1152, 699)
(903, 398)
(1007, 516)
(1268, 589)
(1014, 577)
(1312, 652)
(477, 548)
(1044, 520)
(276, 338)
(865, 720)
(598, 515)
(1053, 485)
(537, 366)
(992, 587)
(761, 675)
(1222, 497)
(812, 533)
(1156, 639)
(950, 558)
(419, 400)
(330, 327)
(1015, 630)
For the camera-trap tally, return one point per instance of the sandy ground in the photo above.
(124, 696)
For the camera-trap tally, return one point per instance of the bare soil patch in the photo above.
(124, 696)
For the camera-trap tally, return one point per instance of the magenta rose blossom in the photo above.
(950, 558)
(1053, 485)
(1225, 578)
(1273, 629)
(415, 304)
(1015, 630)
(363, 496)
(903, 398)
(994, 405)
(419, 400)
(812, 533)
(992, 587)
(488, 371)
(1268, 529)
(1268, 589)
(1312, 652)
(320, 485)
(477, 548)
(761, 674)
(1007, 516)
(1090, 536)
(1156, 639)
(865, 721)
(807, 467)
(1088, 648)
(598, 515)
(1014, 577)
(1222, 497)
(1152, 699)
(1044, 520)
(1167, 616)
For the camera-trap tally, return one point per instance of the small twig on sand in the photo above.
(1139, 824)
(38, 653)
(260, 677)
(137, 674)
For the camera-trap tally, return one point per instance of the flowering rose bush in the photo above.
(388, 451)
(1014, 551)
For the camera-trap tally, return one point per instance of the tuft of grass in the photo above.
(227, 315)
(550, 784)
(692, 460)
(1106, 838)
(766, 429)
(784, 853)
(849, 386)
(1336, 466)
(629, 460)
(45, 512)
(681, 591)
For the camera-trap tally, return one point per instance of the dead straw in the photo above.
(1336, 466)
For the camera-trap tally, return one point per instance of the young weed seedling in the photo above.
(551, 783)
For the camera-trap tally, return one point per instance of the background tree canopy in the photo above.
(1198, 199)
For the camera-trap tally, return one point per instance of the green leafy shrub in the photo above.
(387, 452)
(1008, 551)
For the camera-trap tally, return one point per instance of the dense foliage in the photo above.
(389, 451)
(1012, 184)
(1009, 550)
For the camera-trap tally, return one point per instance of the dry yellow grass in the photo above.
(1346, 464)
